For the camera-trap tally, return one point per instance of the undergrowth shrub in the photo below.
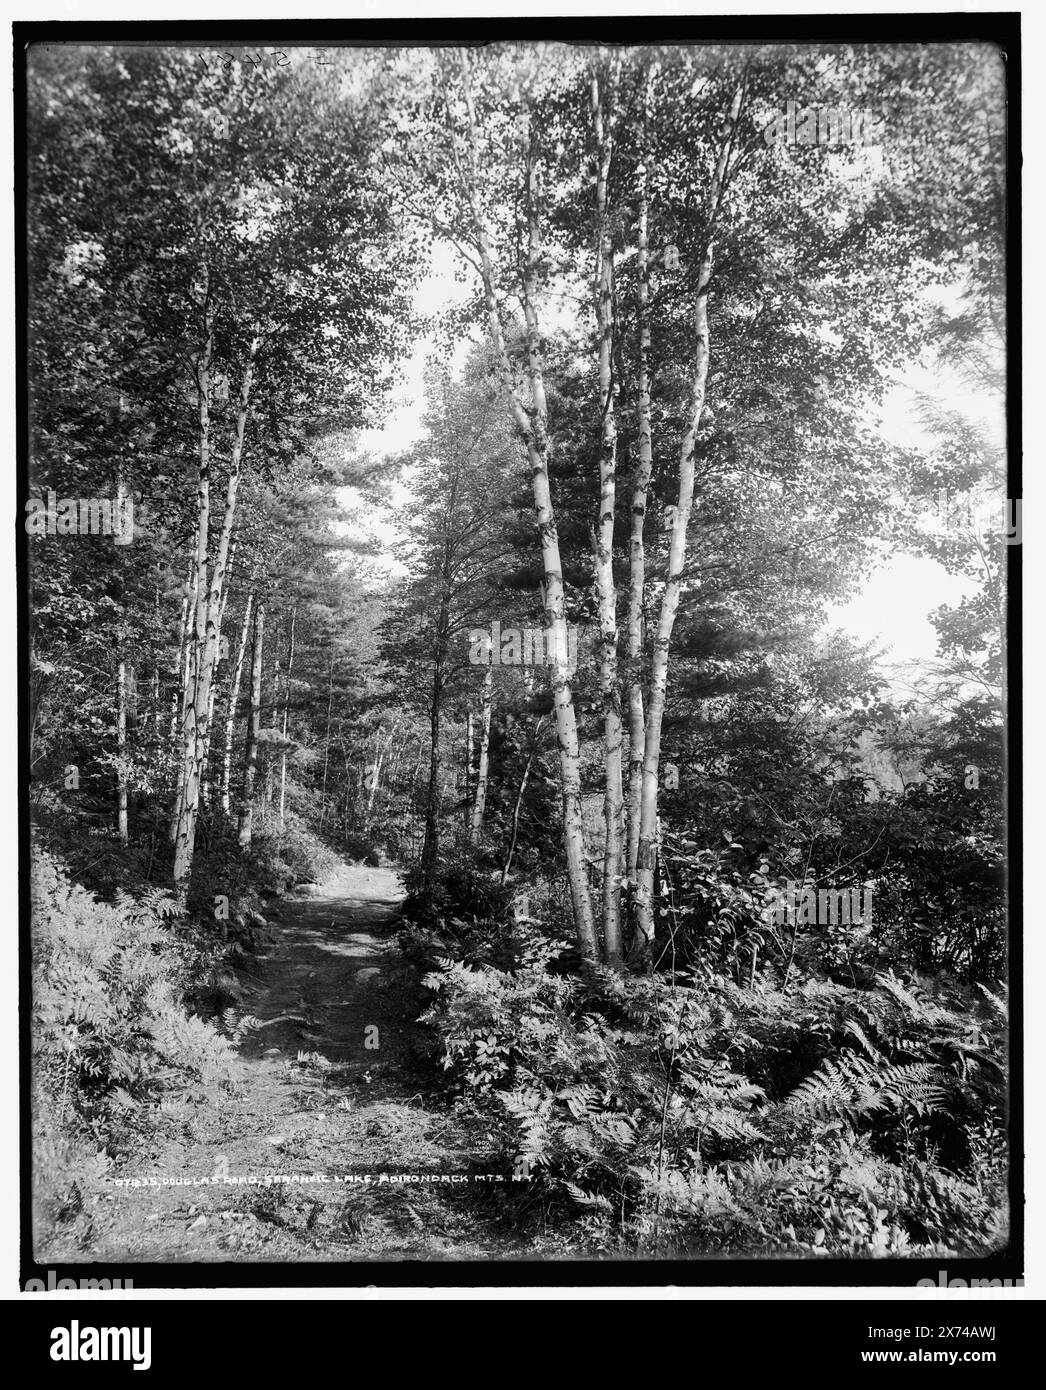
(464, 896)
(713, 1117)
(279, 857)
(286, 854)
(87, 843)
(111, 1035)
(363, 848)
(277, 860)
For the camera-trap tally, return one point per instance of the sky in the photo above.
(893, 607)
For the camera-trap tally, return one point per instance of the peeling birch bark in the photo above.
(532, 424)
(676, 560)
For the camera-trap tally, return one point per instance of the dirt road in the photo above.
(330, 1092)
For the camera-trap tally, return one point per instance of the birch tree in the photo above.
(529, 415)
(603, 94)
(250, 769)
(677, 548)
(479, 802)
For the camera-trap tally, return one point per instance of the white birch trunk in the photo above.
(208, 609)
(286, 712)
(205, 785)
(250, 767)
(676, 563)
(606, 590)
(519, 800)
(533, 428)
(641, 487)
(479, 805)
(121, 751)
(327, 742)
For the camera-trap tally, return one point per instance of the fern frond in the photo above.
(849, 1085)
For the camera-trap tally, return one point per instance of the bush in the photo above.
(282, 856)
(363, 849)
(744, 1120)
(464, 895)
(111, 1036)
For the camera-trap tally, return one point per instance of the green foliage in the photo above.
(288, 854)
(709, 1116)
(464, 897)
(111, 1037)
(362, 848)
(851, 1086)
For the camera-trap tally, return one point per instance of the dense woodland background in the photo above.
(652, 425)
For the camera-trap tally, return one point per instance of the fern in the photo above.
(848, 1086)
(111, 1035)
(856, 1031)
(737, 1119)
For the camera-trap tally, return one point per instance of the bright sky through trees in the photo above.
(894, 606)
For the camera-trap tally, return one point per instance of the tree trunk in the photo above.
(676, 562)
(381, 752)
(205, 775)
(641, 486)
(327, 741)
(180, 698)
(430, 844)
(519, 801)
(286, 712)
(606, 591)
(348, 788)
(479, 805)
(234, 699)
(197, 617)
(469, 741)
(121, 751)
(532, 425)
(158, 628)
(209, 601)
(274, 725)
(250, 766)
(391, 774)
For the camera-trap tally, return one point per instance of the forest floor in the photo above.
(316, 1100)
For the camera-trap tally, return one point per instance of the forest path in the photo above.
(315, 1099)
